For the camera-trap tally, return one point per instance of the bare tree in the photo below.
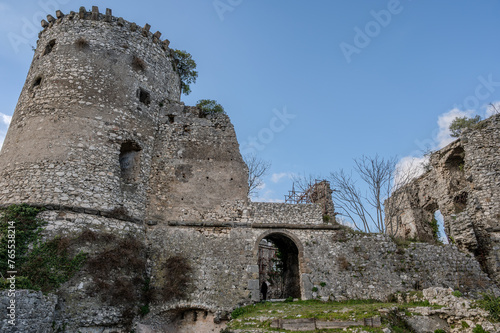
(257, 168)
(303, 182)
(366, 210)
(395, 204)
(494, 107)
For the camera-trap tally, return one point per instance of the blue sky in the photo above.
(308, 85)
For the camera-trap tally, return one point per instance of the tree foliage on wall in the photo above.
(209, 107)
(185, 66)
(460, 123)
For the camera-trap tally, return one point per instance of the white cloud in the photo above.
(2, 137)
(276, 177)
(4, 124)
(6, 119)
(408, 168)
(443, 137)
(345, 222)
(493, 108)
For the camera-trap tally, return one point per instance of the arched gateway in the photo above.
(279, 256)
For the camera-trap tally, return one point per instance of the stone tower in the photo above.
(101, 95)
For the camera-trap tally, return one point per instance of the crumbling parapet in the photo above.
(463, 183)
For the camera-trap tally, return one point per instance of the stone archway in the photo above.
(278, 256)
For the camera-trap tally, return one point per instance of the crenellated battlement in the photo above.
(95, 15)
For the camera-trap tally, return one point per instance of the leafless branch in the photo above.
(257, 168)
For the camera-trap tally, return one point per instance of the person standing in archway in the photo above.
(263, 290)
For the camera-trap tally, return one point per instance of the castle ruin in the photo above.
(100, 139)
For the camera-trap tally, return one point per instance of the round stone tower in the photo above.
(83, 131)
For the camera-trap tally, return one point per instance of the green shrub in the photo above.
(491, 304)
(237, 312)
(440, 331)
(457, 293)
(289, 299)
(460, 123)
(435, 229)
(209, 107)
(479, 329)
(314, 289)
(144, 310)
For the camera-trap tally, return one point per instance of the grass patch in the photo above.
(260, 315)
(491, 304)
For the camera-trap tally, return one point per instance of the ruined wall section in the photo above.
(290, 214)
(463, 184)
(373, 267)
(92, 96)
(197, 167)
(482, 152)
(333, 265)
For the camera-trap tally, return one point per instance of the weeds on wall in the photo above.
(81, 43)
(176, 274)
(138, 64)
(491, 304)
(46, 265)
(118, 270)
(344, 265)
(479, 329)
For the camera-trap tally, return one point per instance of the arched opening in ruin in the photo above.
(279, 267)
(130, 157)
(456, 160)
(442, 235)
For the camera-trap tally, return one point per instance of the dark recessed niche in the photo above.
(171, 118)
(144, 96)
(130, 158)
(49, 47)
(37, 82)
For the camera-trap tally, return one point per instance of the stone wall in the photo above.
(464, 185)
(34, 312)
(333, 265)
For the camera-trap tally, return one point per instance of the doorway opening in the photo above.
(279, 270)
